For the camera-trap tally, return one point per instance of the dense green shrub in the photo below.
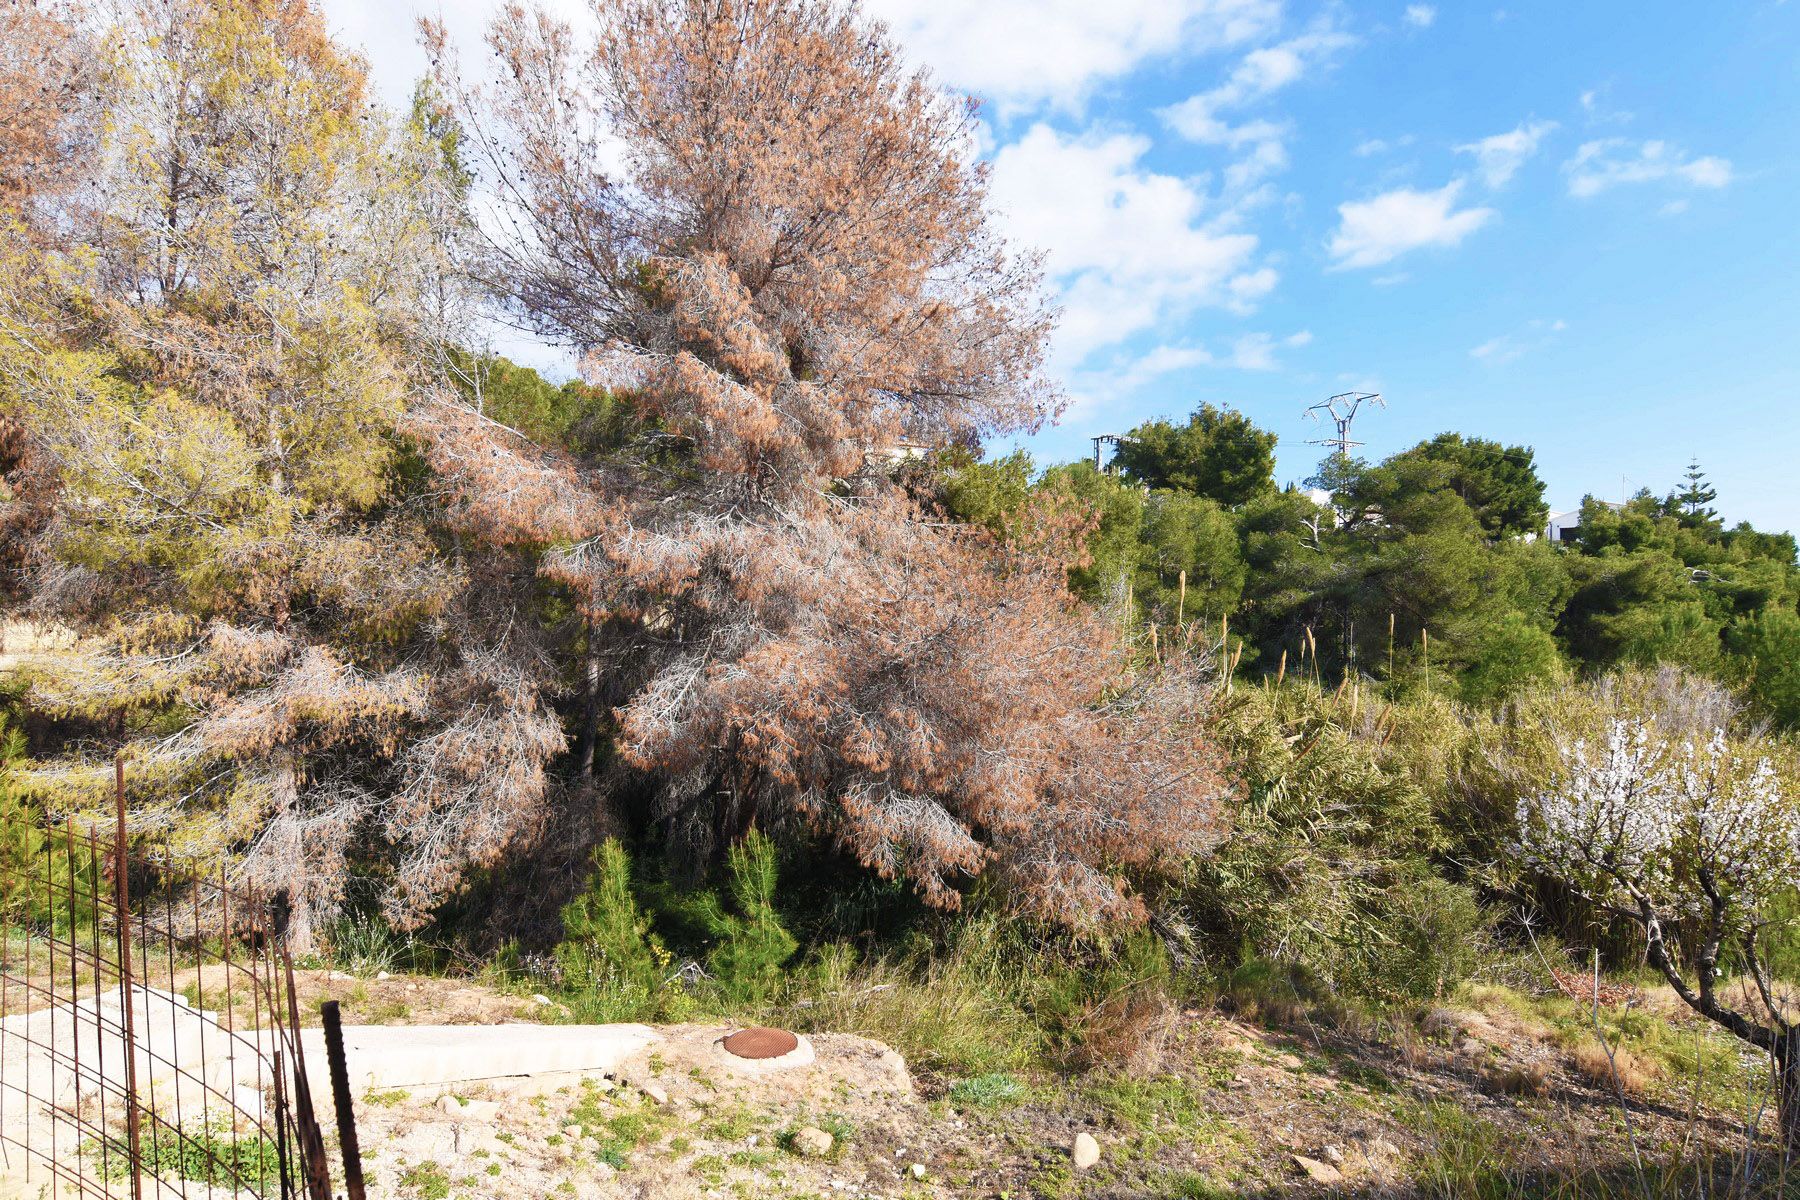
(613, 965)
(21, 835)
(623, 943)
(1332, 866)
(751, 945)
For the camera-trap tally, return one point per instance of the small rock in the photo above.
(1332, 1155)
(1085, 1152)
(1319, 1172)
(813, 1143)
(1384, 1147)
(427, 1141)
(468, 1110)
(539, 998)
(918, 1170)
(572, 1132)
(656, 1093)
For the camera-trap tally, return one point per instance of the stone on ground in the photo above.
(1318, 1172)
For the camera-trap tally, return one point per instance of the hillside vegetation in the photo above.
(1367, 841)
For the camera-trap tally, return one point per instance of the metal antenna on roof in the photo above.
(1343, 408)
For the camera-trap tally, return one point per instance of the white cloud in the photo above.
(1378, 230)
(1374, 146)
(1123, 376)
(1509, 347)
(1249, 287)
(1500, 156)
(1127, 247)
(1597, 111)
(1203, 117)
(1026, 53)
(1420, 16)
(1610, 162)
(1117, 381)
(1020, 53)
(1256, 351)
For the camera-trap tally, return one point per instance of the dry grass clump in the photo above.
(1635, 1074)
(1740, 993)
(1129, 1030)
(1448, 1024)
(1412, 1049)
(1517, 1079)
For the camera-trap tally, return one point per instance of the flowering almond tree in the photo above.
(1695, 834)
(772, 238)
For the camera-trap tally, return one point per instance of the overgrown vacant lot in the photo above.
(1500, 1092)
(1193, 820)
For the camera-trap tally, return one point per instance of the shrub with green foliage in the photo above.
(619, 965)
(614, 966)
(21, 834)
(1332, 863)
(752, 945)
(1766, 650)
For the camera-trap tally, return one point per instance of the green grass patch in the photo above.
(427, 1181)
(994, 1090)
(249, 1164)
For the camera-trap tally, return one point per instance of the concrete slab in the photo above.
(70, 1052)
(420, 1058)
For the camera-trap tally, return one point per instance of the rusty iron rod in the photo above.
(348, 1149)
(122, 900)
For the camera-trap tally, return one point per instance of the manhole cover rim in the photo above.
(760, 1042)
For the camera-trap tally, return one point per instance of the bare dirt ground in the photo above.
(678, 1121)
(1227, 1107)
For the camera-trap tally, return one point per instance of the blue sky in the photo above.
(1568, 225)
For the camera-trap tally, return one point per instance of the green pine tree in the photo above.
(1693, 502)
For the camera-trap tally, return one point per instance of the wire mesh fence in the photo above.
(149, 1028)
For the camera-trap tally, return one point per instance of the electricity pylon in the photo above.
(1343, 408)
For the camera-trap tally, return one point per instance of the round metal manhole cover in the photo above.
(761, 1042)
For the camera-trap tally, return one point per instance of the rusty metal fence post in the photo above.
(348, 1148)
(164, 1058)
(122, 903)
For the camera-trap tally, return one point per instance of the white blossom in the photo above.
(1682, 827)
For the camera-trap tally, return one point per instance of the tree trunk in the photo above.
(587, 748)
(1787, 1080)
